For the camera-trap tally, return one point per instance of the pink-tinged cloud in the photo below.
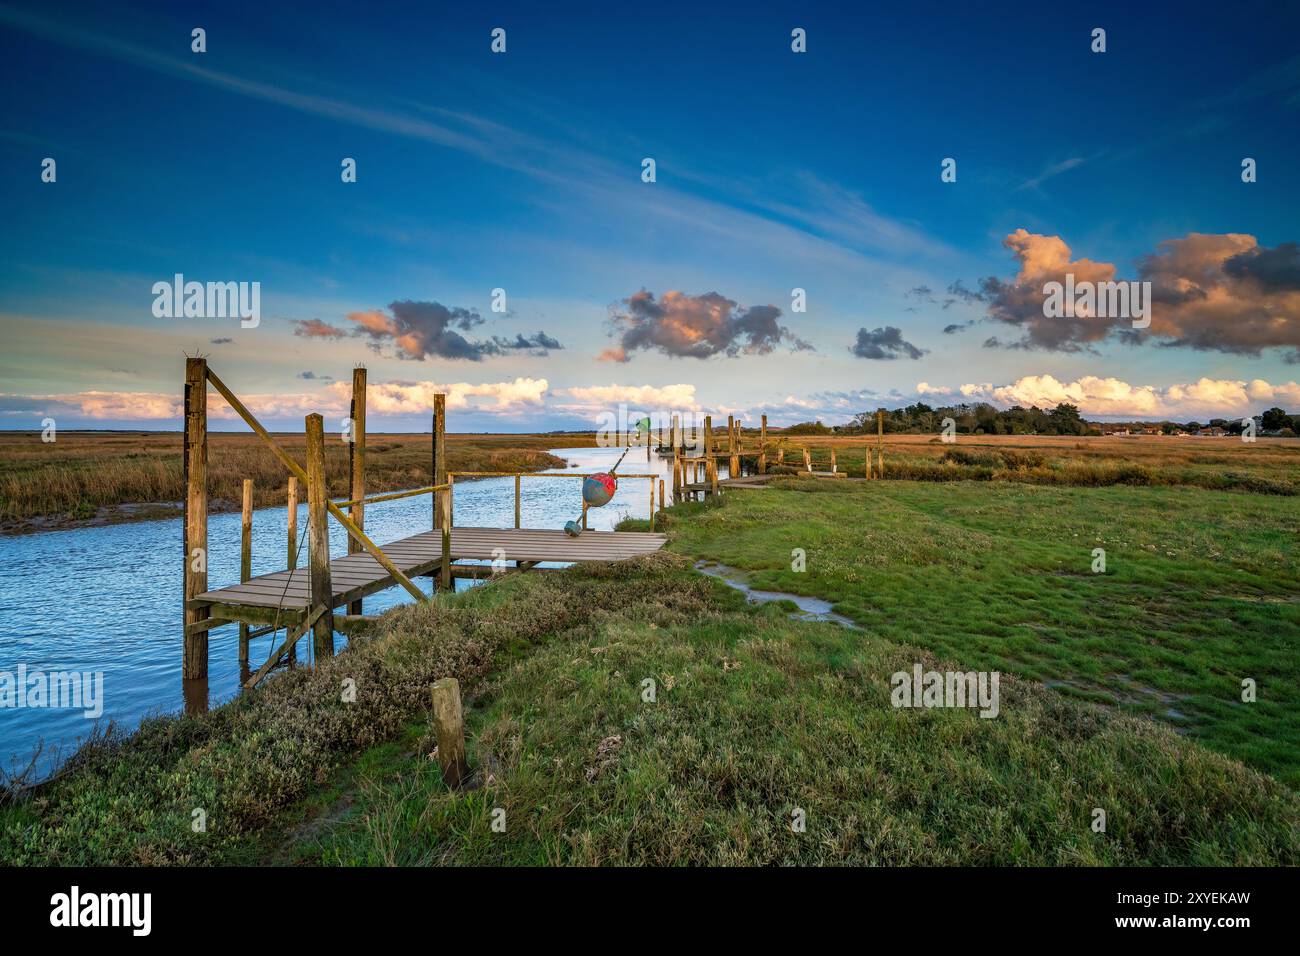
(1224, 293)
(695, 326)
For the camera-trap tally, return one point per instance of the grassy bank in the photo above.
(1266, 466)
(1200, 589)
(755, 716)
(87, 475)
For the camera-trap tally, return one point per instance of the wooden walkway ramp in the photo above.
(286, 595)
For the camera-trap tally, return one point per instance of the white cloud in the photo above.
(1114, 397)
(679, 396)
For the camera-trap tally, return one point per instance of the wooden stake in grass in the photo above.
(762, 446)
(449, 729)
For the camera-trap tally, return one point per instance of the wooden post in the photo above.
(834, 467)
(318, 555)
(661, 496)
(517, 502)
(882, 463)
(708, 434)
(293, 522)
(449, 729)
(677, 475)
(807, 461)
(443, 498)
(733, 446)
(762, 446)
(780, 455)
(584, 516)
(439, 454)
(245, 558)
(674, 434)
(357, 464)
(195, 535)
(867, 469)
(713, 476)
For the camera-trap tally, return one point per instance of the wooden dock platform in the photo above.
(285, 596)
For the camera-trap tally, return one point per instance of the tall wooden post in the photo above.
(518, 502)
(677, 475)
(318, 555)
(245, 558)
(708, 436)
(674, 432)
(733, 469)
(439, 454)
(292, 505)
(834, 468)
(195, 536)
(762, 446)
(661, 496)
(357, 464)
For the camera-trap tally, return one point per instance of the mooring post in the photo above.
(661, 496)
(292, 524)
(733, 461)
(677, 475)
(449, 730)
(674, 432)
(762, 446)
(318, 533)
(195, 535)
(439, 452)
(357, 464)
(292, 506)
(443, 498)
(517, 501)
(245, 558)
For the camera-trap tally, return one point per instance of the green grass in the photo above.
(1201, 589)
(758, 715)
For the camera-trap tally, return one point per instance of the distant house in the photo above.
(1214, 432)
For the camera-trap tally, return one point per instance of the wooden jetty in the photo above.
(299, 600)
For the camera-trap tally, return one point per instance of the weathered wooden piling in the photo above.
(318, 555)
(439, 454)
(449, 730)
(762, 446)
(195, 536)
(292, 505)
(245, 558)
(357, 464)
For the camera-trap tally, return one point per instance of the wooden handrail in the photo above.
(394, 495)
(536, 474)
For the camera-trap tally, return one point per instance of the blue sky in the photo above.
(522, 171)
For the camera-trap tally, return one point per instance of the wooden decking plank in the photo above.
(359, 575)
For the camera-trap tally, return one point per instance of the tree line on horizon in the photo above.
(981, 418)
